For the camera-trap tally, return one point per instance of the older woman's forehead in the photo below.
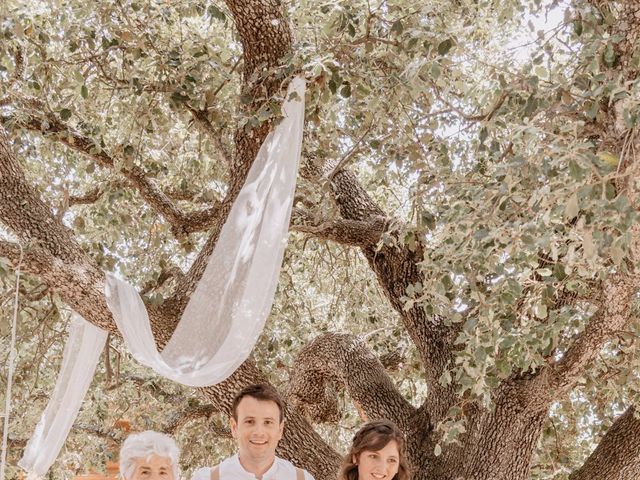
(153, 461)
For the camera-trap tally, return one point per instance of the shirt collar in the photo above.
(268, 475)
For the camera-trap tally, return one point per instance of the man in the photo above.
(257, 424)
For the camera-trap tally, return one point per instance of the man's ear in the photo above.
(354, 459)
(234, 427)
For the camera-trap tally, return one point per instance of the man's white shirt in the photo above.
(231, 469)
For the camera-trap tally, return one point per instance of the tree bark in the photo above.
(332, 361)
(617, 456)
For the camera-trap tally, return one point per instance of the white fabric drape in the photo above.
(79, 359)
(226, 312)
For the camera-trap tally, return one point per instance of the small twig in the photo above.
(235, 65)
(349, 154)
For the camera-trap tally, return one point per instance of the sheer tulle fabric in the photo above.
(79, 359)
(226, 312)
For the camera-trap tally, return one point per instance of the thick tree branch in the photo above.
(348, 232)
(265, 17)
(332, 361)
(617, 456)
(508, 435)
(51, 251)
(618, 296)
(189, 414)
(182, 223)
(396, 267)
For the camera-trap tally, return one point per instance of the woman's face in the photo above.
(153, 468)
(380, 465)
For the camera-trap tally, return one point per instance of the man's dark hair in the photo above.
(259, 391)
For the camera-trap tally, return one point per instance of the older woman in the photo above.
(149, 456)
(377, 453)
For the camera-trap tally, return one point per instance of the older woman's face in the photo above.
(152, 468)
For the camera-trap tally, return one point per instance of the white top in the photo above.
(231, 469)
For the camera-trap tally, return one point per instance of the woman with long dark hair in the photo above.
(377, 453)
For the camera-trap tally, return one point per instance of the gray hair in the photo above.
(145, 444)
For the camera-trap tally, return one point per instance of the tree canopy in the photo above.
(464, 249)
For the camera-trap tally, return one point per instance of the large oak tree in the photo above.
(466, 214)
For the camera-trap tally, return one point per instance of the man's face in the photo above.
(257, 430)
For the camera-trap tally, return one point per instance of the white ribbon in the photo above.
(81, 354)
(225, 314)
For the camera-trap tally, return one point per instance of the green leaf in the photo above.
(611, 160)
(445, 378)
(179, 97)
(65, 114)
(397, 27)
(531, 106)
(578, 27)
(84, 91)
(215, 12)
(345, 91)
(571, 208)
(435, 70)
(617, 255)
(544, 272)
(540, 310)
(445, 46)
(129, 150)
(541, 71)
(587, 244)
(575, 170)
(609, 55)
(483, 134)
(246, 99)
(591, 109)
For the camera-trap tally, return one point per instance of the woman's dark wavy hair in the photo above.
(374, 436)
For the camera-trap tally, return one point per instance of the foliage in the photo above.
(479, 146)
